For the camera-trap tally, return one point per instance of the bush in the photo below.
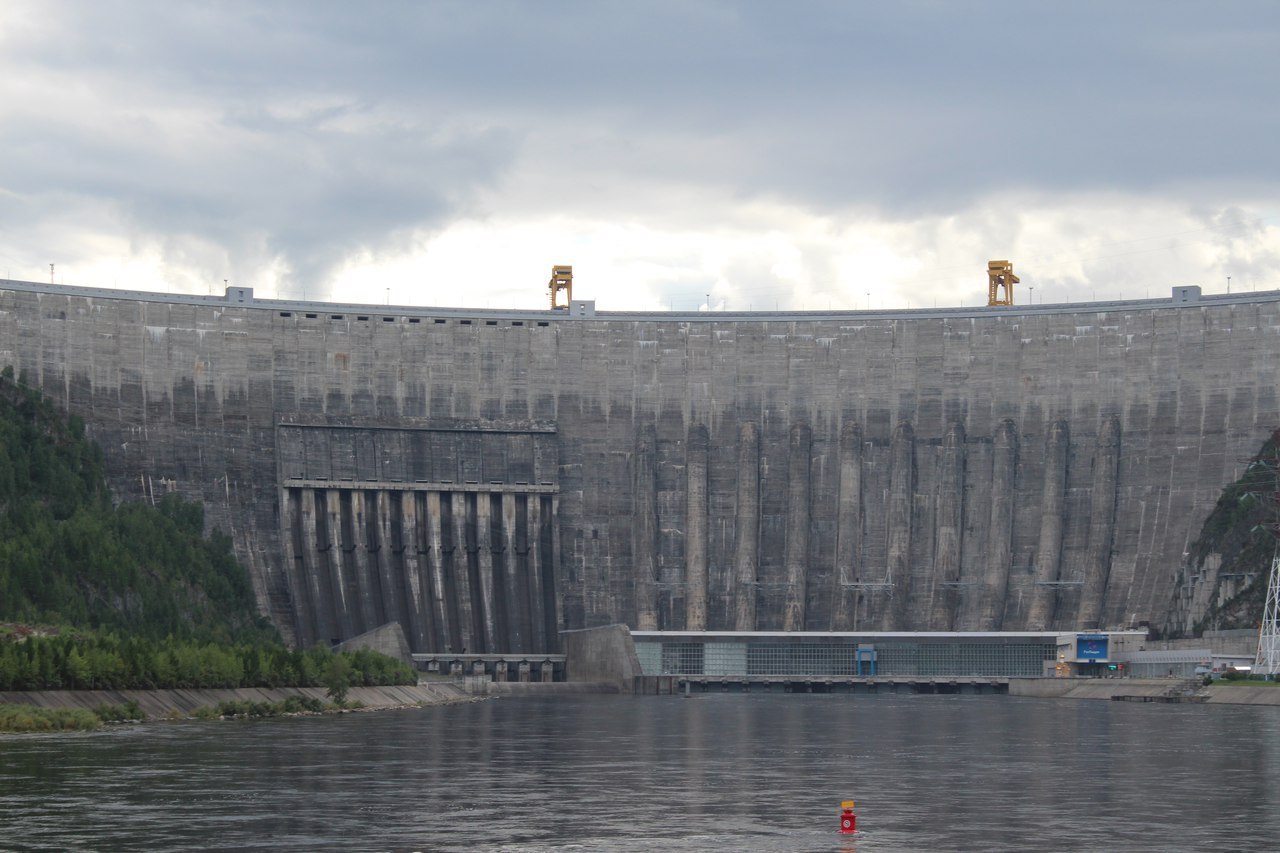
(28, 718)
(119, 713)
(245, 708)
(302, 704)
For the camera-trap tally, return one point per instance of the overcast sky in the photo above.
(805, 155)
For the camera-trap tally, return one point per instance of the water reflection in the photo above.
(715, 772)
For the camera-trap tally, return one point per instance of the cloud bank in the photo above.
(679, 155)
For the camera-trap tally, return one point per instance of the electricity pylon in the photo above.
(1268, 660)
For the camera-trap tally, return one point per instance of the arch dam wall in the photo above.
(486, 478)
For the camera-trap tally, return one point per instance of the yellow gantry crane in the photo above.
(1000, 275)
(561, 279)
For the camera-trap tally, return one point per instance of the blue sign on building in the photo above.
(1091, 647)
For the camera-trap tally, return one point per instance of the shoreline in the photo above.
(181, 703)
(1150, 689)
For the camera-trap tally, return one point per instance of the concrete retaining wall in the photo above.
(1105, 689)
(158, 704)
(1223, 695)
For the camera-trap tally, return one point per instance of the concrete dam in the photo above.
(489, 478)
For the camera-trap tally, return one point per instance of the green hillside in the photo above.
(1242, 528)
(69, 557)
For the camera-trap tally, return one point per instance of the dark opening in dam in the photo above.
(449, 532)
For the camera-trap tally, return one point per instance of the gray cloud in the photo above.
(309, 131)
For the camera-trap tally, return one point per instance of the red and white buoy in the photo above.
(848, 820)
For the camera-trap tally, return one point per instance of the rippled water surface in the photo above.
(735, 772)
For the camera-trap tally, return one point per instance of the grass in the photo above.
(1246, 682)
(28, 718)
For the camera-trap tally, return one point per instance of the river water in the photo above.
(734, 772)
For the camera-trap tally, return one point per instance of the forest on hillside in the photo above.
(1243, 529)
(96, 595)
(69, 556)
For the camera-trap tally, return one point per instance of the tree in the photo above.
(77, 670)
(337, 678)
